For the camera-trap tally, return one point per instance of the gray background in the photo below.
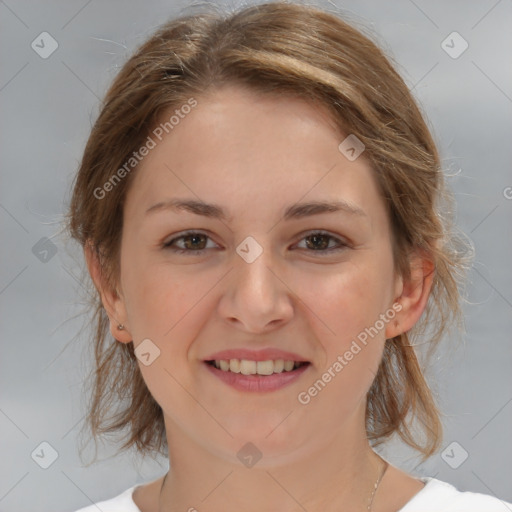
(47, 107)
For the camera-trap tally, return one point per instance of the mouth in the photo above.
(256, 376)
(259, 368)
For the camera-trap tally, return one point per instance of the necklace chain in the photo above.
(376, 485)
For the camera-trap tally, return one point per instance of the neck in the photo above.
(338, 473)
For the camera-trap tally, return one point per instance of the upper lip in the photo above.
(265, 354)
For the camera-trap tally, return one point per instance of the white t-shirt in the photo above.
(436, 496)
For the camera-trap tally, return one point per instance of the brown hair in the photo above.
(275, 48)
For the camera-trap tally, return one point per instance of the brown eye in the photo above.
(193, 242)
(320, 242)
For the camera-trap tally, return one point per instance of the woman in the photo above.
(260, 205)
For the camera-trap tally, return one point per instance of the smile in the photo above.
(257, 376)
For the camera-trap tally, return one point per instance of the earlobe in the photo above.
(119, 332)
(414, 295)
(112, 302)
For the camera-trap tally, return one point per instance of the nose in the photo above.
(256, 297)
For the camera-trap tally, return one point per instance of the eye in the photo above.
(195, 243)
(318, 241)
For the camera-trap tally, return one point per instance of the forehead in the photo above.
(237, 146)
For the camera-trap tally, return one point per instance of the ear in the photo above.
(412, 294)
(112, 301)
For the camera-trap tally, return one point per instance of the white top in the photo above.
(436, 496)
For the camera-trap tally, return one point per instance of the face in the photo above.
(310, 282)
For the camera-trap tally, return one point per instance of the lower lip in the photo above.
(257, 383)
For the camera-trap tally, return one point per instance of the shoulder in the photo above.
(439, 496)
(121, 503)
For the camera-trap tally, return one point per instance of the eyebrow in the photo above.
(296, 211)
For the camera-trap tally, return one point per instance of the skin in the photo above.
(254, 156)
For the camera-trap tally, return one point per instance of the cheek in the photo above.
(343, 310)
(346, 308)
(346, 301)
(338, 302)
(159, 300)
(169, 307)
(157, 295)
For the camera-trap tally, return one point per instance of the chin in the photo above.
(261, 444)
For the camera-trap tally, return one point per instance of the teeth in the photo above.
(278, 366)
(246, 367)
(288, 365)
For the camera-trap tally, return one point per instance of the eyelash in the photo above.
(168, 245)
